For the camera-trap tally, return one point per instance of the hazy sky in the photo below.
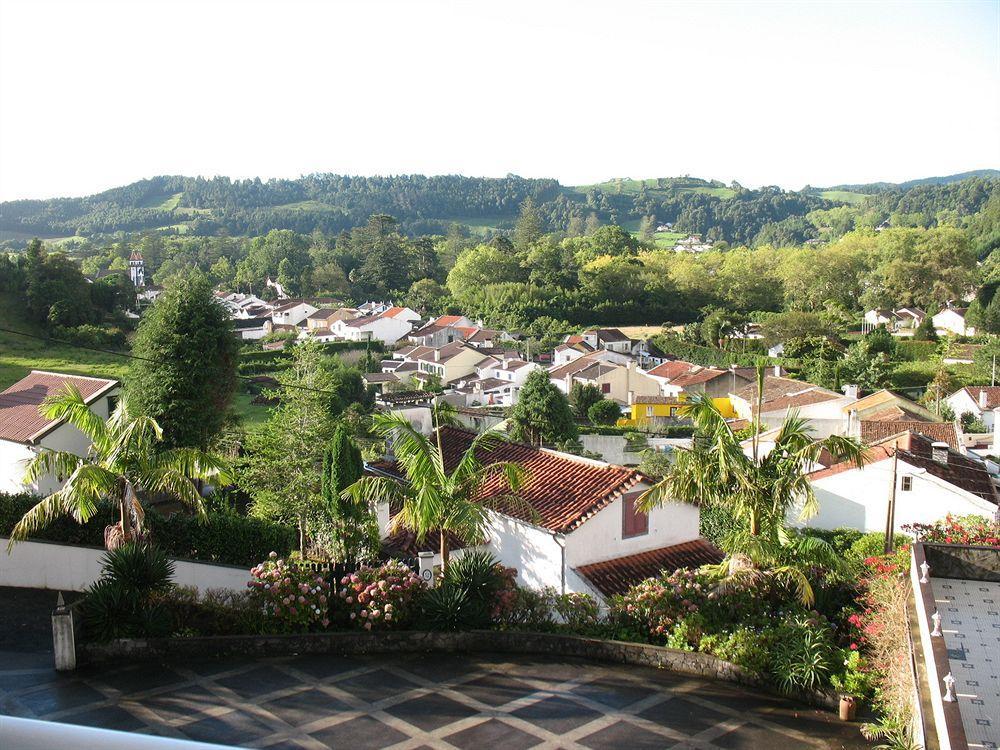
(98, 94)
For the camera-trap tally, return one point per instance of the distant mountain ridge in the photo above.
(423, 205)
(873, 187)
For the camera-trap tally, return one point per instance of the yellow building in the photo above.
(649, 408)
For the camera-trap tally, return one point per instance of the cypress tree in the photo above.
(342, 467)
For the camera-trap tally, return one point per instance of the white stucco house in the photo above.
(978, 400)
(951, 321)
(24, 432)
(388, 330)
(583, 533)
(931, 480)
(292, 312)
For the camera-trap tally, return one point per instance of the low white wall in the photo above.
(61, 567)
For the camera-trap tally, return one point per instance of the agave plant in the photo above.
(123, 462)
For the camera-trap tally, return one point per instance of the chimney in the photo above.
(437, 355)
(982, 398)
(851, 390)
(939, 452)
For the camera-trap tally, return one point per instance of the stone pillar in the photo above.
(426, 567)
(63, 637)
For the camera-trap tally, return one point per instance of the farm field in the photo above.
(843, 196)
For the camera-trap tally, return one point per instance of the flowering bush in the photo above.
(292, 598)
(658, 604)
(976, 530)
(380, 598)
(578, 611)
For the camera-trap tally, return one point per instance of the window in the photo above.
(634, 522)
(605, 387)
(649, 411)
(907, 483)
(112, 404)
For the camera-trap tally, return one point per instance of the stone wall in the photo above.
(482, 641)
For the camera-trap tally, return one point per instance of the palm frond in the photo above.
(176, 484)
(71, 407)
(193, 463)
(56, 463)
(87, 487)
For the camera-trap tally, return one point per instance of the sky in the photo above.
(95, 93)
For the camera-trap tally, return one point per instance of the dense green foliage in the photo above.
(184, 374)
(542, 413)
(216, 537)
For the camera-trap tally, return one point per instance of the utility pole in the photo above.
(890, 517)
(993, 379)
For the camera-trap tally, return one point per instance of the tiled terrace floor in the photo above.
(427, 701)
(970, 621)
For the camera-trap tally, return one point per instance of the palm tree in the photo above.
(122, 462)
(432, 498)
(757, 491)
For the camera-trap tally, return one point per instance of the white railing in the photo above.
(29, 734)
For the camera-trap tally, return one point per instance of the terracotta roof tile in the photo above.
(617, 575)
(992, 394)
(875, 431)
(671, 369)
(961, 471)
(563, 490)
(795, 400)
(20, 421)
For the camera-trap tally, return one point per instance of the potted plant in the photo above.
(853, 683)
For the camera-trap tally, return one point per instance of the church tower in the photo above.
(137, 269)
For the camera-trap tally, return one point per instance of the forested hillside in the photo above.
(428, 205)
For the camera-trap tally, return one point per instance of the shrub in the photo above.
(224, 537)
(579, 612)
(382, 598)
(803, 655)
(121, 603)
(974, 530)
(213, 612)
(529, 609)
(656, 605)
(745, 647)
(293, 598)
(604, 411)
(475, 591)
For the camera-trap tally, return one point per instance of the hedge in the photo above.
(218, 537)
(284, 355)
(705, 355)
(674, 431)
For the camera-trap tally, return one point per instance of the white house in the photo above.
(978, 400)
(582, 534)
(371, 328)
(24, 432)
(951, 320)
(292, 312)
(251, 329)
(878, 317)
(931, 480)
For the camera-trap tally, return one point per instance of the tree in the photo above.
(184, 376)
(604, 411)
(925, 331)
(346, 528)
(123, 463)
(529, 227)
(426, 295)
(435, 497)
(542, 413)
(385, 266)
(582, 396)
(756, 491)
(283, 462)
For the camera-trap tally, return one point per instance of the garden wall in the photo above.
(485, 641)
(60, 567)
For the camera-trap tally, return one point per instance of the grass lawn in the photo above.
(843, 196)
(251, 415)
(19, 355)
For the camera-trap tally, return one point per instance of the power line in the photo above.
(147, 359)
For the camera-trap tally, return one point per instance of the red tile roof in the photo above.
(694, 377)
(992, 394)
(794, 401)
(20, 421)
(671, 369)
(960, 471)
(617, 575)
(563, 490)
(876, 431)
(447, 320)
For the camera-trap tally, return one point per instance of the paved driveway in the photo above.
(428, 701)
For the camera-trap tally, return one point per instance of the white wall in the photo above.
(65, 437)
(62, 567)
(859, 499)
(600, 537)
